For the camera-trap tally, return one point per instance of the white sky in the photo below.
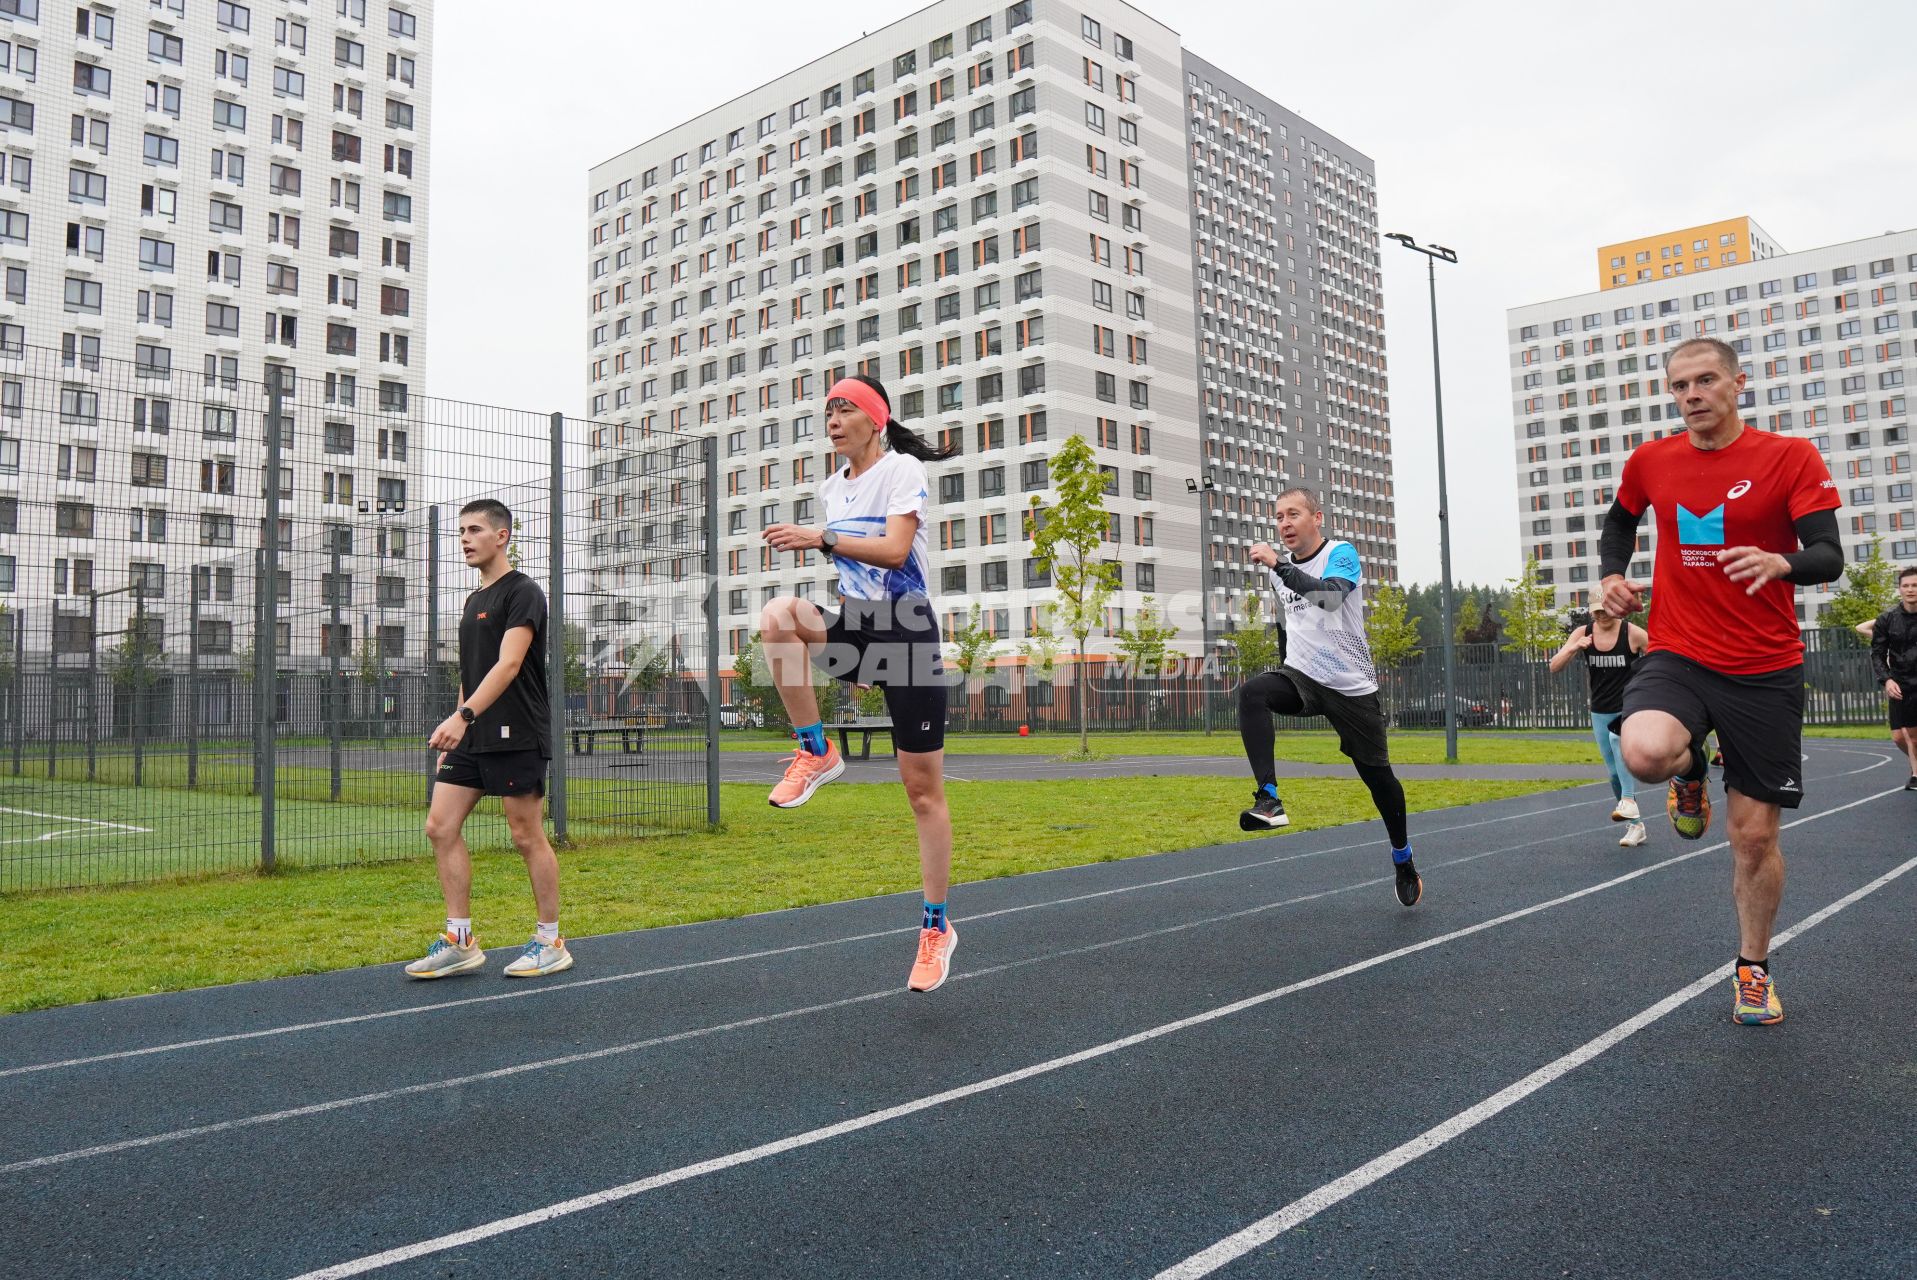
(1521, 135)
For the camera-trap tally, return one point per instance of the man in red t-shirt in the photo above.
(1742, 515)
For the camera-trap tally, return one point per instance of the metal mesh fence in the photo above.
(204, 670)
(1494, 689)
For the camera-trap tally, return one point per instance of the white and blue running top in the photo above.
(1328, 644)
(858, 507)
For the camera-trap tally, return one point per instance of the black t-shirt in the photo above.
(521, 718)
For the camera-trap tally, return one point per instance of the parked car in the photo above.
(732, 716)
(1428, 713)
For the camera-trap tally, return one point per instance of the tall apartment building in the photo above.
(1029, 221)
(1824, 338)
(195, 194)
(1689, 250)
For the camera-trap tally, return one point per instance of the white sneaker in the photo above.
(1634, 835)
(446, 957)
(1626, 810)
(540, 958)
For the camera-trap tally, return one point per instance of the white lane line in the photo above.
(87, 827)
(1306, 1207)
(697, 1033)
(768, 953)
(751, 1155)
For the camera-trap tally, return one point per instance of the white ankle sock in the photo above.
(462, 930)
(548, 933)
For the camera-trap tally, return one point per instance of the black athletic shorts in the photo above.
(1903, 711)
(894, 645)
(1759, 720)
(495, 773)
(1358, 718)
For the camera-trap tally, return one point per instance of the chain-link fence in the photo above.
(224, 644)
(1494, 689)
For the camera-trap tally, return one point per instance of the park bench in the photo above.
(865, 729)
(632, 738)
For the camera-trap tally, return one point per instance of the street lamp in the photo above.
(1204, 492)
(1432, 253)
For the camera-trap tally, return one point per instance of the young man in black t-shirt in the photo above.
(496, 743)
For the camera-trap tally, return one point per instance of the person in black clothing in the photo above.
(1893, 660)
(1611, 647)
(496, 743)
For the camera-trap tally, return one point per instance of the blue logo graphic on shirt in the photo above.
(1705, 530)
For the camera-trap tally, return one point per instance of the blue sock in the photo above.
(1401, 856)
(812, 737)
(934, 916)
(1270, 789)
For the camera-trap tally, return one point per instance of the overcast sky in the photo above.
(1521, 135)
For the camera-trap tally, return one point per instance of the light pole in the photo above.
(1204, 493)
(1432, 253)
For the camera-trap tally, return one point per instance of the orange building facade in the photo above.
(1683, 252)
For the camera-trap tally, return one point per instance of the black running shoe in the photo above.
(1267, 811)
(1410, 884)
(1912, 784)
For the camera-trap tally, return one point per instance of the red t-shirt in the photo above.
(1748, 494)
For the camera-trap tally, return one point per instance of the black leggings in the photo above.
(1269, 694)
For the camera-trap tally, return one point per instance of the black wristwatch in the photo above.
(467, 714)
(827, 541)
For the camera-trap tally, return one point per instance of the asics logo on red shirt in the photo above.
(1739, 489)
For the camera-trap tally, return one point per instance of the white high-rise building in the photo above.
(1824, 336)
(1029, 221)
(207, 192)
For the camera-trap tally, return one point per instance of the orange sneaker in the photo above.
(934, 963)
(806, 773)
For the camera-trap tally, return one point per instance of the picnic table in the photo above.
(865, 729)
(632, 737)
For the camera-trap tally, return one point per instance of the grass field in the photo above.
(93, 944)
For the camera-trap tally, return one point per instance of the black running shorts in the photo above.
(1358, 718)
(1903, 711)
(895, 646)
(1759, 720)
(495, 773)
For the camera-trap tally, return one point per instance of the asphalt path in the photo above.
(1241, 1060)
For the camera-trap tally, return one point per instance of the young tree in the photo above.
(1143, 646)
(1466, 616)
(1252, 645)
(1391, 629)
(577, 676)
(1533, 623)
(754, 691)
(1532, 620)
(1066, 539)
(1144, 642)
(973, 646)
(1870, 587)
(1040, 648)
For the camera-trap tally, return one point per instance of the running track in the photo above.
(1239, 1060)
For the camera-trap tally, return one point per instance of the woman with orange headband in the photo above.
(886, 633)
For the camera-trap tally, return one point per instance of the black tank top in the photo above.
(1609, 672)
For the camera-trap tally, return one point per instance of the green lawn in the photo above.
(91, 944)
(1309, 747)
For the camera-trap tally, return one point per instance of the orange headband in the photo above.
(864, 397)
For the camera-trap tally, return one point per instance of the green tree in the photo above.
(973, 646)
(1143, 644)
(1066, 539)
(1870, 587)
(1391, 630)
(576, 675)
(753, 689)
(1532, 620)
(1466, 619)
(1252, 645)
(1040, 648)
(1533, 623)
(871, 702)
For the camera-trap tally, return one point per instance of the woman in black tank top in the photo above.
(1610, 648)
